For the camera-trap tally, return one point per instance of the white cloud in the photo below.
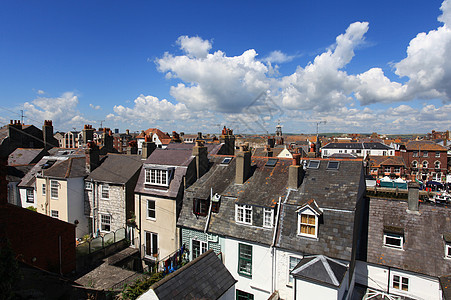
(216, 82)
(278, 56)
(194, 46)
(427, 64)
(149, 109)
(40, 92)
(96, 107)
(62, 110)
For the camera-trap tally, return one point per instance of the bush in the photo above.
(31, 208)
(141, 286)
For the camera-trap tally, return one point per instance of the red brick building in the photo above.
(391, 166)
(425, 160)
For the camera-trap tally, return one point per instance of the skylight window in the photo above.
(271, 162)
(226, 160)
(313, 164)
(333, 165)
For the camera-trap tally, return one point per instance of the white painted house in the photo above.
(357, 149)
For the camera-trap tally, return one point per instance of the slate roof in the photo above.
(25, 156)
(262, 189)
(116, 168)
(424, 236)
(180, 158)
(445, 283)
(365, 145)
(321, 269)
(262, 152)
(424, 146)
(206, 277)
(336, 192)
(16, 173)
(71, 168)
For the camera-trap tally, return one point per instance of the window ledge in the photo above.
(310, 237)
(395, 248)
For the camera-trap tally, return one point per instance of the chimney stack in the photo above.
(295, 172)
(413, 196)
(269, 152)
(107, 139)
(199, 136)
(47, 134)
(132, 147)
(92, 157)
(243, 164)
(147, 147)
(88, 134)
(127, 132)
(201, 156)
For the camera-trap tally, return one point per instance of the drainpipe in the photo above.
(209, 211)
(139, 229)
(93, 207)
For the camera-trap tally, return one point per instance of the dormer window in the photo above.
(243, 214)
(200, 206)
(308, 219)
(156, 177)
(308, 224)
(268, 217)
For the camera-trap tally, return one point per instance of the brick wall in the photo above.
(34, 238)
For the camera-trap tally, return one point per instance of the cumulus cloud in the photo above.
(216, 82)
(427, 64)
(149, 109)
(194, 46)
(278, 56)
(40, 92)
(96, 107)
(62, 110)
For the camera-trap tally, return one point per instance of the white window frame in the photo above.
(54, 187)
(309, 213)
(415, 154)
(152, 246)
(425, 164)
(30, 195)
(105, 189)
(437, 164)
(268, 214)
(203, 247)
(154, 209)
(290, 278)
(43, 189)
(88, 185)
(401, 283)
(415, 164)
(448, 250)
(156, 177)
(103, 218)
(54, 214)
(243, 214)
(387, 169)
(437, 153)
(397, 170)
(399, 237)
(425, 153)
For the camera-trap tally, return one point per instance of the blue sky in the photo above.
(361, 66)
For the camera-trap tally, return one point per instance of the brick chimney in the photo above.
(147, 147)
(200, 154)
(88, 134)
(243, 164)
(295, 172)
(413, 196)
(47, 134)
(92, 157)
(132, 147)
(107, 138)
(228, 139)
(269, 152)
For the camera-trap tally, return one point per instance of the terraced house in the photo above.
(279, 226)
